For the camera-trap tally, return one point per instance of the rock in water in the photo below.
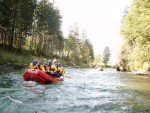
(101, 69)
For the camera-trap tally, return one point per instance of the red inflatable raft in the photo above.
(40, 76)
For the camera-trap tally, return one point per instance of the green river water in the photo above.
(87, 91)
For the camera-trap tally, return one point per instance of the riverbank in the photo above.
(147, 73)
(134, 72)
(21, 60)
(15, 59)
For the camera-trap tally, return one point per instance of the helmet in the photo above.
(57, 64)
(39, 62)
(49, 62)
(34, 61)
(45, 63)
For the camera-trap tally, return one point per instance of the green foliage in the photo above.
(47, 36)
(34, 27)
(77, 48)
(106, 55)
(136, 32)
(48, 17)
(98, 60)
(13, 57)
(31, 25)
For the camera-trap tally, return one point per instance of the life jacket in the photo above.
(63, 70)
(52, 68)
(32, 66)
(40, 67)
(46, 68)
(59, 70)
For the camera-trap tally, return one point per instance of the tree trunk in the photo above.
(15, 36)
(20, 44)
(13, 27)
(2, 36)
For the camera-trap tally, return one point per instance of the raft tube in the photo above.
(40, 76)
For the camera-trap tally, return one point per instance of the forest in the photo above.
(34, 27)
(135, 51)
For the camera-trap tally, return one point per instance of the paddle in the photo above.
(68, 76)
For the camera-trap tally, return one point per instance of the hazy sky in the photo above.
(100, 18)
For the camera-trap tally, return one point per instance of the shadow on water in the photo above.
(87, 91)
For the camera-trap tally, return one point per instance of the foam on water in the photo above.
(87, 91)
(10, 99)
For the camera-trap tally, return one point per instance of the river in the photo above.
(87, 91)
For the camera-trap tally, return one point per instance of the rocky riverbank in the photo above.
(11, 65)
(146, 73)
(135, 72)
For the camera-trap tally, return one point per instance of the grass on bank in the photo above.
(13, 57)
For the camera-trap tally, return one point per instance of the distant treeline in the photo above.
(135, 29)
(34, 27)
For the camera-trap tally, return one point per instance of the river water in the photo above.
(87, 91)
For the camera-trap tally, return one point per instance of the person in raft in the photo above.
(51, 68)
(54, 61)
(59, 65)
(59, 71)
(63, 70)
(40, 66)
(33, 65)
(45, 65)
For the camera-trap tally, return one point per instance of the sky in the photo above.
(101, 19)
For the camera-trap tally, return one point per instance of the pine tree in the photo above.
(106, 55)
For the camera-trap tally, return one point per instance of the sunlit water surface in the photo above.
(87, 91)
